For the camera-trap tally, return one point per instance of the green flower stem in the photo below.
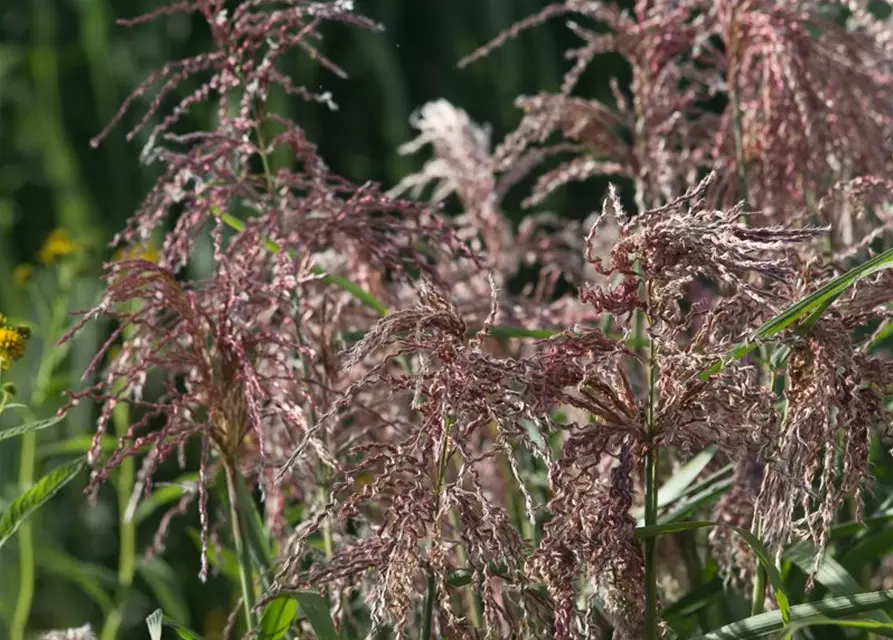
(26, 543)
(428, 612)
(27, 469)
(245, 572)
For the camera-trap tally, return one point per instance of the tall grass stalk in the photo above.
(246, 581)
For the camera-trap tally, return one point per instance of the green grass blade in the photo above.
(165, 586)
(812, 306)
(677, 486)
(278, 617)
(868, 550)
(164, 494)
(30, 427)
(223, 559)
(35, 497)
(872, 625)
(76, 445)
(755, 544)
(90, 578)
(830, 574)
(771, 621)
(316, 610)
(700, 495)
(255, 533)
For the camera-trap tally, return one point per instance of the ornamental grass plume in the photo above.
(461, 407)
(347, 351)
(806, 101)
(245, 358)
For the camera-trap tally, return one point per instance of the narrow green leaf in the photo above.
(873, 625)
(78, 445)
(163, 494)
(831, 574)
(682, 479)
(316, 610)
(92, 579)
(869, 549)
(758, 548)
(883, 332)
(278, 617)
(30, 501)
(701, 495)
(855, 527)
(694, 600)
(165, 586)
(255, 533)
(180, 630)
(28, 428)
(813, 304)
(222, 559)
(676, 486)
(771, 621)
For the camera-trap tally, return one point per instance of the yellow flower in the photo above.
(138, 252)
(57, 245)
(22, 274)
(13, 341)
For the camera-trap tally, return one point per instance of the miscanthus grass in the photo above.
(441, 455)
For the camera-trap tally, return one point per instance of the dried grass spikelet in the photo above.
(673, 245)
(735, 508)
(649, 138)
(78, 633)
(792, 67)
(463, 408)
(835, 402)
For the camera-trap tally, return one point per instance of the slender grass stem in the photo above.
(758, 599)
(651, 489)
(28, 468)
(428, 612)
(245, 572)
(126, 478)
(25, 537)
(442, 460)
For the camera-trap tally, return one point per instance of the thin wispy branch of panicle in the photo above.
(669, 247)
(463, 165)
(650, 138)
(471, 408)
(225, 357)
(808, 101)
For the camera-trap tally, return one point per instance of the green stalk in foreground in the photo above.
(25, 536)
(245, 572)
(651, 489)
(27, 470)
(126, 477)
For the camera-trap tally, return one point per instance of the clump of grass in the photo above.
(438, 454)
